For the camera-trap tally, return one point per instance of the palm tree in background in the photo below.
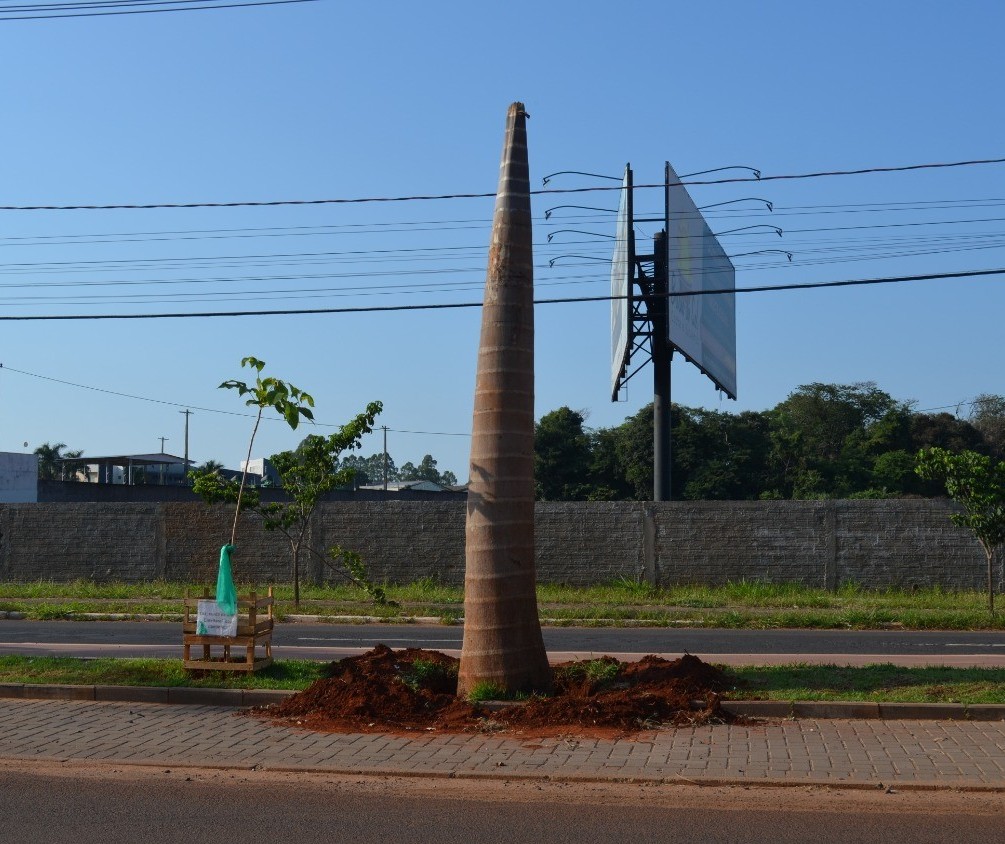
(49, 457)
(71, 473)
(50, 462)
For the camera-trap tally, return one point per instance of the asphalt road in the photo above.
(325, 641)
(39, 804)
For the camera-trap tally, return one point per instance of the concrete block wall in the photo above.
(725, 541)
(70, 541)
(915, 545)
(585, 543)
(193, 534)
(819, 543)
(399, 541)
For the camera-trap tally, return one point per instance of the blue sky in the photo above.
(329, 99)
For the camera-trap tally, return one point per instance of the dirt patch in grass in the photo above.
(416, 690)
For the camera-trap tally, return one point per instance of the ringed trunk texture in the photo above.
(502, 632)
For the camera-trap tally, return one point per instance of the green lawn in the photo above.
(745, 604)
(886, 683)
(788, 682)
(74, 671)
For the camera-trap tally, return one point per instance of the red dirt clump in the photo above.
(413, 689)
(653, 692)
(410, 688)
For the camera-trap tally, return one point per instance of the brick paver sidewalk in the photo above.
(895, 753)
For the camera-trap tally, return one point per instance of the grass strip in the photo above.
(879, 683)
(882, 683)
(752, 605)
(76, 671)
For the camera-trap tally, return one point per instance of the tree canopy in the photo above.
(50, 462)
(822, 441)
(426, 471)
(977, 483)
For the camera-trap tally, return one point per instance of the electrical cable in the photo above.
(399, 227)
(409, 254)
(546, 191)
(387, 289)
(189, 406)
(461, 305)
(194, 8)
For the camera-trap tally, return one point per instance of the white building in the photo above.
(18, 478)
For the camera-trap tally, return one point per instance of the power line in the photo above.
(866, 252)
(428, 433)
(427, 252)
(402, 226)
(189, 405)
(460, 305)
(192, 8)
(956, 405)
(86, 5)
(960, 241)
(545, 191)
(249, 295)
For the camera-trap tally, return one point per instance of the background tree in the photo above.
(633, 452)
(721, 456)
(977, 483)
(426, 471)
(987, 415)
(288, 401)
(71, 473)
(822, 441)
(894, 473)
(607, 477)
(825, 437)
(307, 474)
(943, 430)
(50, 456)
(562, 457)
(369, 471)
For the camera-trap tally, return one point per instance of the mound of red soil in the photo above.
(653, 692)
(414, 689)
(382, 689)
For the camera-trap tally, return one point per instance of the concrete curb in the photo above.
(810, 709)
(15, 615)
(146, 694)
(530, 776)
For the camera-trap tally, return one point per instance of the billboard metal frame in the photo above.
(696, 262)
(642, 302)
(623, 276)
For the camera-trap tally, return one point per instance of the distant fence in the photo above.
(69, 492)
(905, 543)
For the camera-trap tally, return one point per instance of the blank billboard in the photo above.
(702, 327)
(621, 287)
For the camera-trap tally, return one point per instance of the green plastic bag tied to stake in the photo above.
(226, 594)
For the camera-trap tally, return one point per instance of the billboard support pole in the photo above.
(704, 332)
(661, 355)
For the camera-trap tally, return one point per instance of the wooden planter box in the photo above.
(254, 628)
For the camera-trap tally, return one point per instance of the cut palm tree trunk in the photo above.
(502, 644)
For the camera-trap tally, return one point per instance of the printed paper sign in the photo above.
(210, 620)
